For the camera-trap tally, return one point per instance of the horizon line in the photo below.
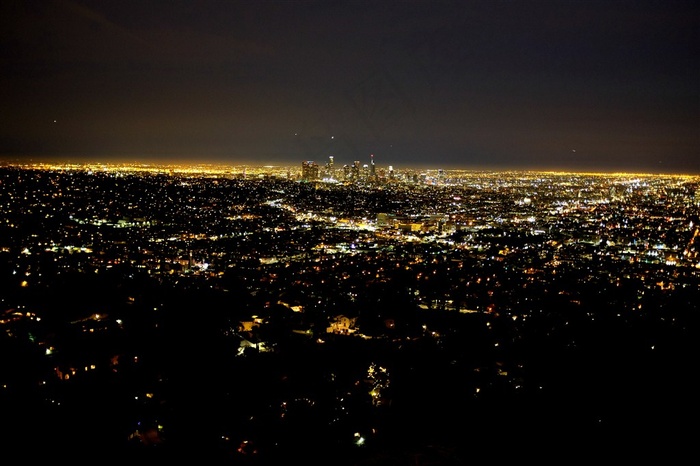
(183, 161)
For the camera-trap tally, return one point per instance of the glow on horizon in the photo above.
(189, 164)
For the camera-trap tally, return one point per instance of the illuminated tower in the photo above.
(309, 170)
(356, 170)
(329, 168)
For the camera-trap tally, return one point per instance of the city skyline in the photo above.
(215, 167)
(532, 85)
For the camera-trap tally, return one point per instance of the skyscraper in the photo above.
(329, 172)
(356, 170)
(309, 170)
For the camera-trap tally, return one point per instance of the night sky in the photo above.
(577, 85)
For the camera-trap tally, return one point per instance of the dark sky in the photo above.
(582, 85)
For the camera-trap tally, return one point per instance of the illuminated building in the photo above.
(309, 170)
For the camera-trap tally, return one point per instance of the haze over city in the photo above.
(581, 85)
